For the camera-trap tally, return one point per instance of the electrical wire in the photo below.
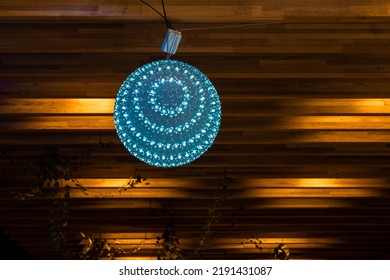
(169, 24)
(227, 26)
(164, 16)
(163, 5)
(150, 6)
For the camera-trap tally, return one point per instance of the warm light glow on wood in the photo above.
(150, 192)
(317, 182)
(106, 105)
(150, 182)
(315, 192)
(151, 238)
(290, 123)
(42, 106)
(305, 203)
(133, 258)
(63, 122)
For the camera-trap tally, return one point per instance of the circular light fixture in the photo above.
(167, 113)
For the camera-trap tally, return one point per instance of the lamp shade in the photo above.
(167, 113)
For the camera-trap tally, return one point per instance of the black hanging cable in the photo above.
(163, 5)
(164, 16)
(229, 26)
(169, 25)
(172, 36)
(150, 6)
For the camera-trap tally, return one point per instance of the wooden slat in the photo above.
(190, 11)
(228, 123)
(42, 106)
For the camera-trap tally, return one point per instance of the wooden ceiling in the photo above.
(302, 156)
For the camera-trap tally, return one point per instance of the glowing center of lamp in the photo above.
(167, 113)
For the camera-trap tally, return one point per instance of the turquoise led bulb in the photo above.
(167, 113)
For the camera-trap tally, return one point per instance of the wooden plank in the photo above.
(276, 183)
(57, 106)
(149, 192)
(189, 11)
(238, 108)
(229, 124)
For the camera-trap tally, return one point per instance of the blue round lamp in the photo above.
(167, 113)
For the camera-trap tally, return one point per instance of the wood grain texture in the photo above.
(304, 138)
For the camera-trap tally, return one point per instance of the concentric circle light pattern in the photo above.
(167, 113)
